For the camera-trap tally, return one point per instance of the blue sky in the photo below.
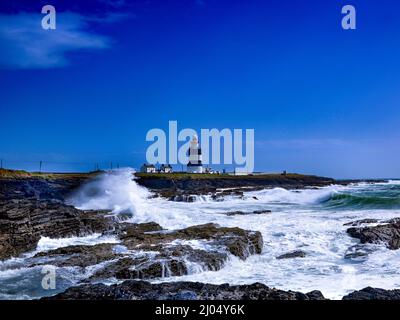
(322, 100)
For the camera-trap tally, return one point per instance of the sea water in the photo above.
(311, 220)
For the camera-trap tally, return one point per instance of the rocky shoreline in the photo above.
(178, 187)
(185, 188)
(24, 222)
(142, 290)
(33, 207)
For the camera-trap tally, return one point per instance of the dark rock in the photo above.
(315, 295)
(33, 207)
(183, 198)
(169, 262)
(219, 196)
(132, 229)
(79, 255)
(393, 221)
(234, 213)
(23, 222)
(168, 256)
(170, 185)
(358, 251)
(373, 294)
(142, 268)
(184, 195)
(151, 252)
(388, 233)
(262, 211)
(239, 242)
(41, 188)
(293, 254)
(360, 222)
(140, 290)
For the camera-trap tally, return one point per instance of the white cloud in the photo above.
(25, 45)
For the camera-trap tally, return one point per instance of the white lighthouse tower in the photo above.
(195, 165)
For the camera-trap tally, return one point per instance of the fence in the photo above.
(60, 166)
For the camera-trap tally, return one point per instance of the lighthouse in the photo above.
(194, 165)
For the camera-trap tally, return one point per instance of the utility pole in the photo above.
(40, 166)
(1, 165)
(111, 166)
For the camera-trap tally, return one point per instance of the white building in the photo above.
(165, 168)
(148, 168)
(194, 165)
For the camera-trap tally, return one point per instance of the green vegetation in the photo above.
(8, 173)
(183, 175)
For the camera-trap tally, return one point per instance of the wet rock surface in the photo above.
(242, 213)
(24, 221)
(238, 193)
(361, 222)
(146, 251)
(373, 294)
(78, 255)
(141, 290)
(292, 254)
(217, 195)
(183, 198)
(170, 186)
(40, 188)
(34, 207)
(386, 232)
(238, 242)
(358, 251)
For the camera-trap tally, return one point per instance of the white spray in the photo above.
(114, 190)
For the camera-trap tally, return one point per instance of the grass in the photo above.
(8, 173)
(183, 175)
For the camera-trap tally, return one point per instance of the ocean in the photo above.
(311, 220)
